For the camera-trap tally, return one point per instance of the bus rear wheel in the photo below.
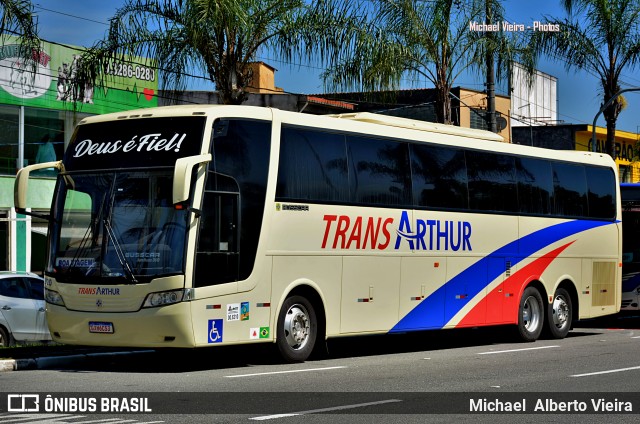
(297, 329)
(559, 315)
(530, 315)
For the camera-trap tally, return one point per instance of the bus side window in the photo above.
(570, 190)
(217, 255)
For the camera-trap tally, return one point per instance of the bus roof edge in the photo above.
(394, 121)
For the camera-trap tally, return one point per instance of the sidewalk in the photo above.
(44, 357)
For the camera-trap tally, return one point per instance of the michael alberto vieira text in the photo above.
(550, 405)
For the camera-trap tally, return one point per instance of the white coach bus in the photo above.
(210, 225)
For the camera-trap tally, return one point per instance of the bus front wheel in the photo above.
(297, 329)
(559, 315)
(530, 315)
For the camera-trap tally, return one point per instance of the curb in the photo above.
(58, 361)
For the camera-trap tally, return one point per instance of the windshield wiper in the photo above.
(88, 237)
(119, 253)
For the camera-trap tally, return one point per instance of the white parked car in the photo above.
(22, 309)
(630, 291)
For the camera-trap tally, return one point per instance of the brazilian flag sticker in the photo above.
(264, 332)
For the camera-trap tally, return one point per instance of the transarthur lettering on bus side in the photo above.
(434, 234)
(344, 232)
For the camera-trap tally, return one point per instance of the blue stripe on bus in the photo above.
(430, 314)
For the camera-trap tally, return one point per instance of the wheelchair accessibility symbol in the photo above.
(215, 331)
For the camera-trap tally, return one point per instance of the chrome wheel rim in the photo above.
(297, 327)
(531, 314)
(560, 312)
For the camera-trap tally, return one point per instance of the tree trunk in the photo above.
(443, 104)
(611, 88)
(231, 81)
(229, 96)
(611, 116)
(491, 90)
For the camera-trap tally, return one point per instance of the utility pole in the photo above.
(491, 89)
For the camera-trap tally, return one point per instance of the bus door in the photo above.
(370, 287)
(421, 282)
(466, 282)
(218, 254)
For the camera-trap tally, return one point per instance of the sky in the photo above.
(82, 23)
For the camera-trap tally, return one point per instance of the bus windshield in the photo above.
(116, 227)
(630, 194)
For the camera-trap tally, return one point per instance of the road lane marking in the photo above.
(106, 420)
(284, 372)
(605, 372)
(515, 350)
(317, 411)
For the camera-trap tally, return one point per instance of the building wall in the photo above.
(625, 147)
(285, 102)
(38, 112)
(263, 79)
(22, 236)
(558, 137)
(478, 100)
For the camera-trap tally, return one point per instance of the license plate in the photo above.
(100, 327)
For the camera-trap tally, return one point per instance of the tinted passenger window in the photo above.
(492, 182)
(380, 172)
(535, 185)
(313, 166)
(570, 190)
(602, 185)
(439, 177)
(237, 175)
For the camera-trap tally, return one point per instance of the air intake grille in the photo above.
(604, 280)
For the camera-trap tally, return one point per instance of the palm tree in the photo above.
(428, 39)
(602, 38)
(219, 38)
(493, 53)
(18, 20)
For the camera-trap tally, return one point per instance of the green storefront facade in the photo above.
(38, 112)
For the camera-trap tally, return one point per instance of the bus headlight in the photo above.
(53, 297)
(167, 298)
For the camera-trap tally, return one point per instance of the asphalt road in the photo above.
(426, 377)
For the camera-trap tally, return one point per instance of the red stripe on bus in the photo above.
(497, 307)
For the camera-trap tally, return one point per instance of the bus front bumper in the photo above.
(168, 326)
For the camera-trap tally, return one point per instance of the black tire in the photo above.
(559, 315)
(297, 329)
(530, 315)
(5, 337)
